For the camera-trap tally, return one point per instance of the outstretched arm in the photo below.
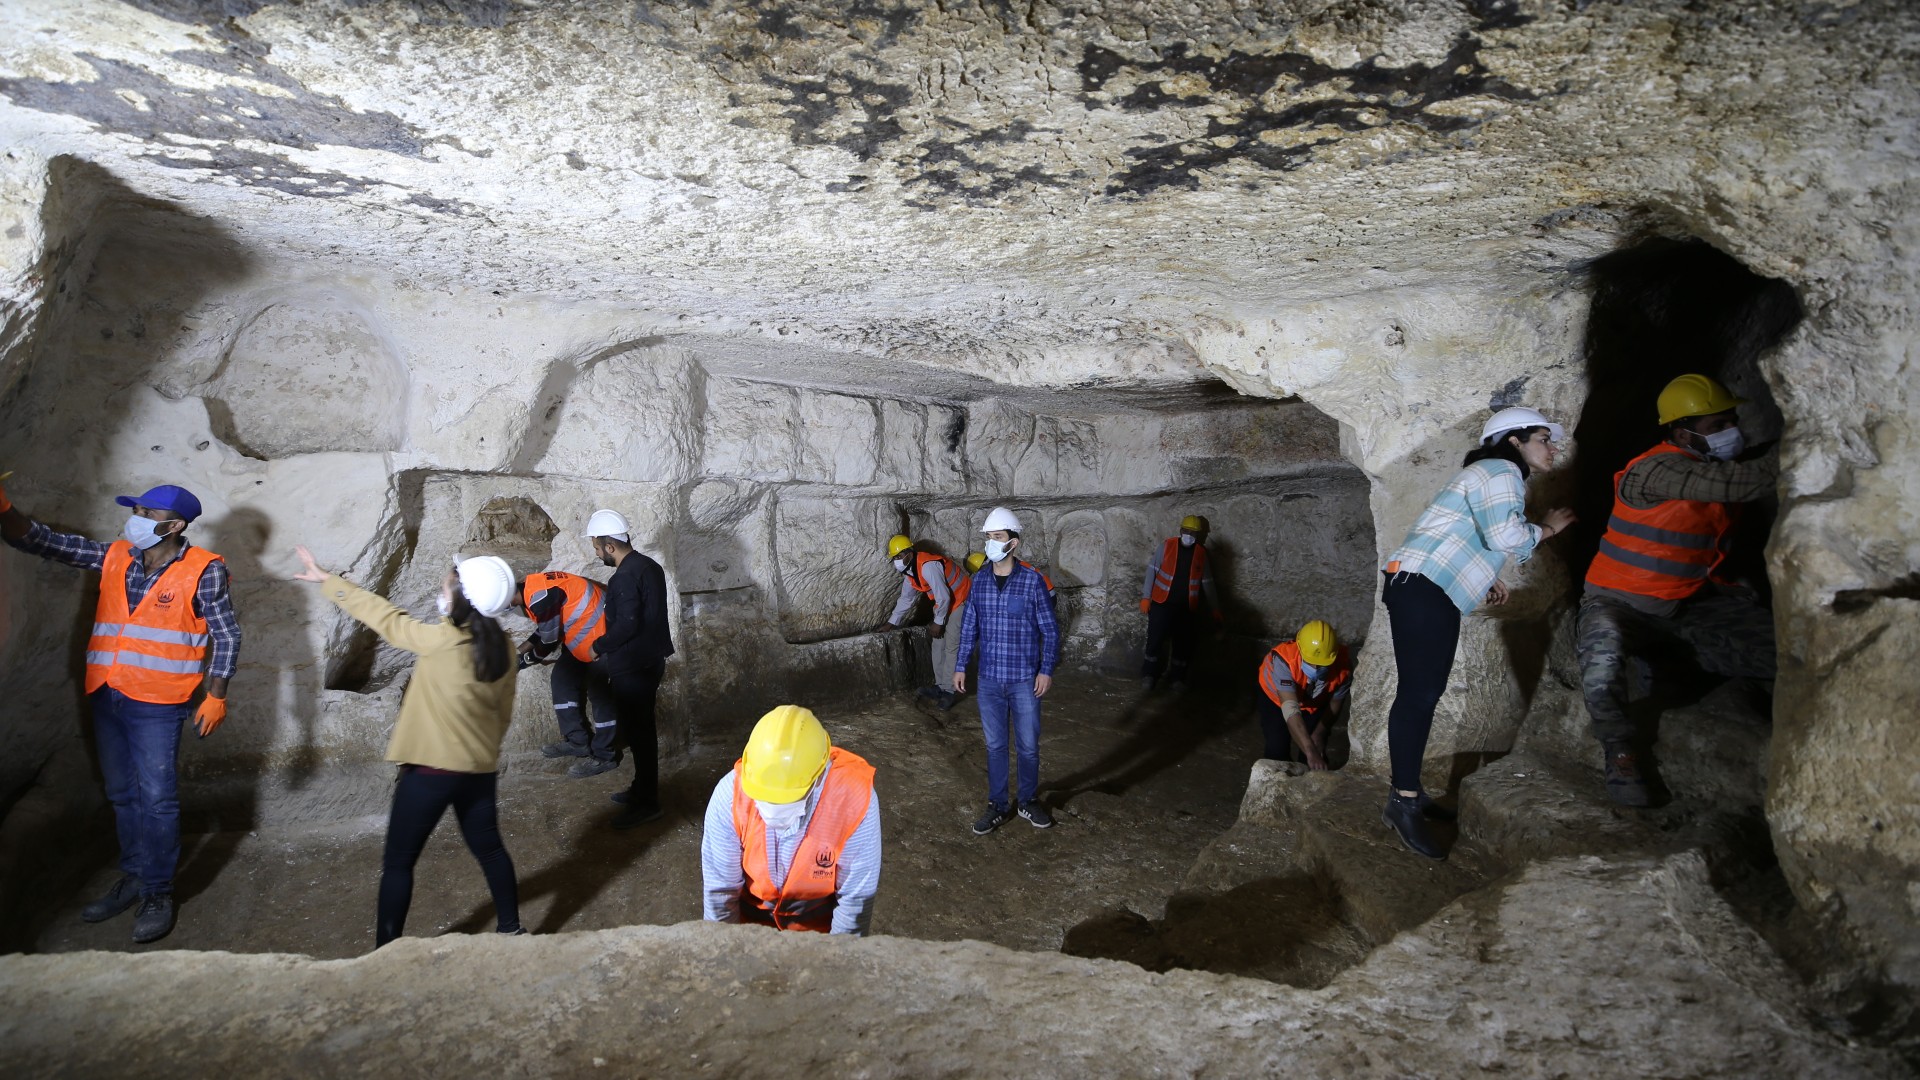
(395, 627)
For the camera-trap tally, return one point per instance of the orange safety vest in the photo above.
(1667, 552)
(805, 900)
(1288, 653)
(1169, 561)
(156, 653)
(949, 570)
(583, 616)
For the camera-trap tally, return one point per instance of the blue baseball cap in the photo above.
(165, 497)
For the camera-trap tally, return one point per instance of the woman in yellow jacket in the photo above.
(452, 718)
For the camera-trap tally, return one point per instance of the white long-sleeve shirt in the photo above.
(909, 596)
(725, 879)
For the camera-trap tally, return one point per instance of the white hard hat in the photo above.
(1518, 416)
(609, 523)
(488, 583)
(1001, 518)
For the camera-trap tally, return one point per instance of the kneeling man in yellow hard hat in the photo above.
(1304, 684)
(792, 835)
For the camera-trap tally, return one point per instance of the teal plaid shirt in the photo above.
(1462, 539)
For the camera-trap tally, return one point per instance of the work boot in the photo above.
(1402, 815)
(1037, 813)
(1625, 784)
(944, 700)
(154, 920)
(592, 766)
(927, 692)
(1178, 676)
(995, 817)
(636, 815)
(124, 894)
(564, 749)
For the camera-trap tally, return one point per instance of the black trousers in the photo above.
(1169, 629)
(575, 687)
(419, 800)
(1426, 630)
(1273, 725)
(634, 692)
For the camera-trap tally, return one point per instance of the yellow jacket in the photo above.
(448, 719)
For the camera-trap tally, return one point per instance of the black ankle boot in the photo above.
(1402, 815)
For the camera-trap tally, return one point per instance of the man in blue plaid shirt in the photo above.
(164, 626)
(1009, 620)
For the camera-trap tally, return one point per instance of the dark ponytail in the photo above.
(1502, 450)
(492, 654)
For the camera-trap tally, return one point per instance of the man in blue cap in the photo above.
(164, 619)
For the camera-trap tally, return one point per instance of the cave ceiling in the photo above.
(920, 178)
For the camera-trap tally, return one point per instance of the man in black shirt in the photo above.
(633, 655)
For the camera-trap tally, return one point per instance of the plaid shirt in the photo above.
(212, 600)
(1695, 479)
(1462, 539)
(1012, 626)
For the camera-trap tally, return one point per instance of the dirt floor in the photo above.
(1139, 786)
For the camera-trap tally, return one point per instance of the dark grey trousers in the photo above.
(1726, 633)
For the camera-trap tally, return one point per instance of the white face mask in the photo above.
(1186, 539)
(998, 549)
(444, 604)
(1725, 445)
(141, 532)
(900, 565)
(782, 818)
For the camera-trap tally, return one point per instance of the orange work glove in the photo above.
(1143, 605)
(211, 712)
(6, 504)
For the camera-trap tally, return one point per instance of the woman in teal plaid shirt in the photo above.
(1449, 563)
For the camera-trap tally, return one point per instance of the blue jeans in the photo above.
(998, 698)
(139, 745)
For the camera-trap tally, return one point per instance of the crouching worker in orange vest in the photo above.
(1655, 587)
(164, 619)
(792, 836)
(1303, 684)
(570, 614)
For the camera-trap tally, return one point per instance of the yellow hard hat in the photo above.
(784, 755)
(976, 560)
(1193, 524)
(1317, 644)
(898, 544)
(1695, 395)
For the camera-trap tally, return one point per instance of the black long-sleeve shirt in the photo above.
(637, 632)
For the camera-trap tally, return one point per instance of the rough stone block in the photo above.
(752, 430)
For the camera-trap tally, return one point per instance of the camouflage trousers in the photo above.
(1620, 646)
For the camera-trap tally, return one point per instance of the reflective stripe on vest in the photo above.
(156, 652)
(583, 613)
(804, 901)
(1288, 653)
(1169, 562)
(1667, 552)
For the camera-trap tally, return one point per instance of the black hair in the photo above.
(492, 653)
(1503, 450)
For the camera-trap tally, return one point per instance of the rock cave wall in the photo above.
(390, 427)
(1387, 209)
